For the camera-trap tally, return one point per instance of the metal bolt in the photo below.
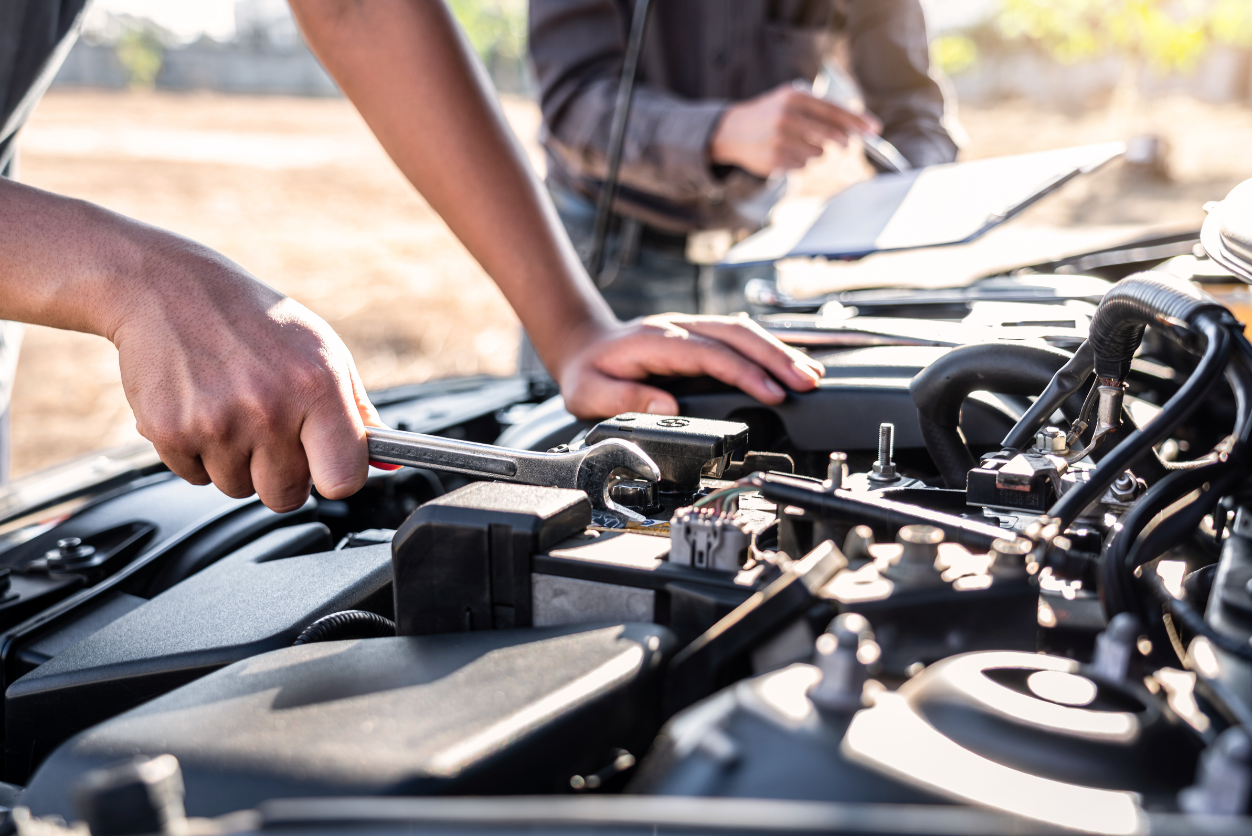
(884, 470)
(70, 554)
(1051, 440)
(837, 654)
(858, 544)
(920, 544)
(836, 471)
(1125, 488)
(634, 493)
(1010, 558)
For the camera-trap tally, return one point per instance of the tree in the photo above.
(1163, 35)
(1166, 35)
(497, 28)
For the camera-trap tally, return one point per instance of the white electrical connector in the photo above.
(704, 539)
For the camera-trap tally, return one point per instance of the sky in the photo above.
(188, 19)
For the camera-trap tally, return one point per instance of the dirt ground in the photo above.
(297, 191)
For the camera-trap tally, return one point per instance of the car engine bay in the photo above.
(992, 575)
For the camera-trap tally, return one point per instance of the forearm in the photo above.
(409, 71)
(70, 264)
(60, 260)
(891, 62)
(230, 380)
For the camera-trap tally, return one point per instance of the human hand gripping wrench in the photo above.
(591, 469)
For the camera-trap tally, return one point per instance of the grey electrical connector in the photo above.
(704, 539)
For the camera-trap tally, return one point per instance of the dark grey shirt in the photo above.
(700, 56)
(35, 36)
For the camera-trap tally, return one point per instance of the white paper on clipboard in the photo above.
(929, 207)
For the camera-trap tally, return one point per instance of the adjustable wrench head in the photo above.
(602, 462)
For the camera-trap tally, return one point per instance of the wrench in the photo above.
(590, 469)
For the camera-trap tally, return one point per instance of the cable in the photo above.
(1114, 571)
(940, 389)
(618, 134)
(724, 496)
(1065, 382)
(1181, 405)
(1183, 611)
(1139, 300)
(1180, 525)
(348, 624)
(1238, 376)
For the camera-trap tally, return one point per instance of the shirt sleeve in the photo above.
(889, 47)
(577, 49)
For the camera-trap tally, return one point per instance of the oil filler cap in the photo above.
(685, 449)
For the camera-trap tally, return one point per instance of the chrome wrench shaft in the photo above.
(590, 469)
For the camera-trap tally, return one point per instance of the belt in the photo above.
(702, 246)
(647, 236)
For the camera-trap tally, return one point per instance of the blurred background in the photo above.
(211, 118)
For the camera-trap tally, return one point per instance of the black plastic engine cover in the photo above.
(763, 738)
(489, 712)
(463, 561)
(254, 600)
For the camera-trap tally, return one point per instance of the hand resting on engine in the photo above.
(415, 81)
(601, 373)
(237, 384)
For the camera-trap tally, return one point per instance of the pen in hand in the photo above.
(882, 152)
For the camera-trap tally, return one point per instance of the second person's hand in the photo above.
(605, 364)
(783, 129)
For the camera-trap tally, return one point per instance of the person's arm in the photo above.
(230, 380)
(889, 46)
(411, 74)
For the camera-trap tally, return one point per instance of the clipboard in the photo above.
(939, 205)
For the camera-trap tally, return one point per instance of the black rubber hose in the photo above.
(1114, 571)
(1183, 612)
(1135, 302)
(1238, 376)
(1180, 525)
(348, 624)
(1066, 382)
(1141, 442)
(939, 390)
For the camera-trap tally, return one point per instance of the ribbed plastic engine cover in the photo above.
(488, 712)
